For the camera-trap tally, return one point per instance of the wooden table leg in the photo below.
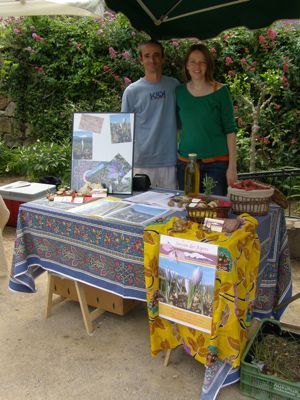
(88, 316)
(50, 290)
(167, 357)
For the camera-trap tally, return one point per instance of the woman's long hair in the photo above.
(208, 58)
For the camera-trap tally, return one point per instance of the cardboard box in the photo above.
(95, 297)
(16, 193)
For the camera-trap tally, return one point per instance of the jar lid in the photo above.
(192, 155)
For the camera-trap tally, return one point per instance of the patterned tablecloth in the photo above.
(111, 256)
(99, 253)
(235, 287)
(274, 281)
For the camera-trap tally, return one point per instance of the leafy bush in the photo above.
(41, 159)
(53, 66)
(5, 157)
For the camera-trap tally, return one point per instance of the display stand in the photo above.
(67, 289)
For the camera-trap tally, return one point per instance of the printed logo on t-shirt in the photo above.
(158, 95)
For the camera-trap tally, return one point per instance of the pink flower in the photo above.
(213, 51)
(228, 61)
(126, 55)
(285, 66)
(106, 68)
(277, 106)
(39, 69)
(262, 139)
(293, 141)
(226, 37)
(78, 45)
(285, 81)
(127, 81)
(244, 61)
(175, 42)
(262, 39)
(100, 31)
(272, 34)
(37, 37)
(17, 30)
(254, 63)
(110, 15)
(230, 73)
(112, 52)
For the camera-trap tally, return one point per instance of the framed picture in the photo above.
(102, 150)
(187, 271)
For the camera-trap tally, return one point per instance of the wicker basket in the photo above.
(198, 214)
(253, 202)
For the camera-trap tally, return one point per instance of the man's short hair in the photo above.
(152, 41)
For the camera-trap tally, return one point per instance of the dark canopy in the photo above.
(166, 19)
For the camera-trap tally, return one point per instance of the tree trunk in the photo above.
(254, 131)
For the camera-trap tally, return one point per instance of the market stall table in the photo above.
(110, 256)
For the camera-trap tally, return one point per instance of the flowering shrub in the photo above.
(53, 66)
(262, 71)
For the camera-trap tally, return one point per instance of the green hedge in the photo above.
(53, 66)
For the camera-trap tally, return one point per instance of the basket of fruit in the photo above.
(250, 197)
(207, 206)
(199, 209)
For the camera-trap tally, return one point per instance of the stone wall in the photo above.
(9, 131)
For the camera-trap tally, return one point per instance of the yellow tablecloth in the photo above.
(235, 286)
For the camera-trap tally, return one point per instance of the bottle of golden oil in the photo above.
(192, 177)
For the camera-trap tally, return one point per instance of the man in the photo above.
(152, 99)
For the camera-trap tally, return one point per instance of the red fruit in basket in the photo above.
(224, 203)
(262, 186)
(236, 185)
(249, 185)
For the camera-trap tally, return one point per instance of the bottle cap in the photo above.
(193, 155)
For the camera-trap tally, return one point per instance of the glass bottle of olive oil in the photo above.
(192, 177)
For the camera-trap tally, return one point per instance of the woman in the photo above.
(207, 122)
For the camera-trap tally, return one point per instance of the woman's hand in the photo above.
(231, 175)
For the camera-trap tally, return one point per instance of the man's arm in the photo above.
(126, 103)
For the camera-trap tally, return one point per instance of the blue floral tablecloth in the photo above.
(99, 253)
(111, 256)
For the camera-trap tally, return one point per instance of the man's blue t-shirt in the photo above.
(154, 106)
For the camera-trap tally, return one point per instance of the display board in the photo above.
(187, 271)
(102, 150)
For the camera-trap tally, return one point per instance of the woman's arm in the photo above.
(231, 173)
